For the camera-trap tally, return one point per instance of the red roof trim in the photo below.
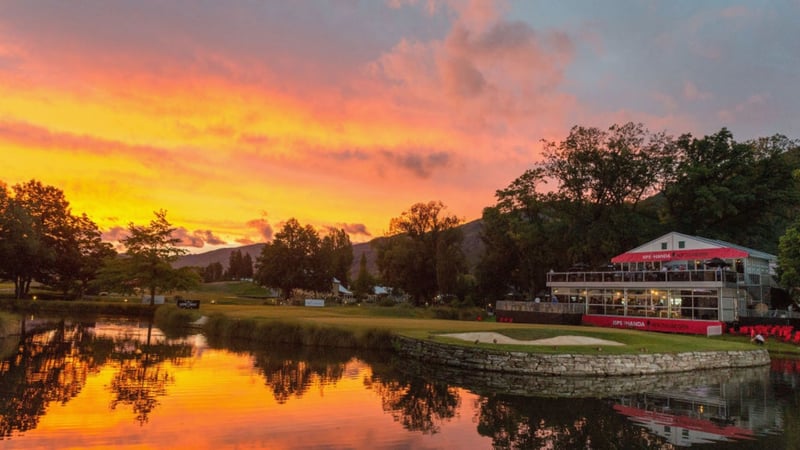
(680, 255)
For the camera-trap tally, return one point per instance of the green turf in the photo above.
(245, 300)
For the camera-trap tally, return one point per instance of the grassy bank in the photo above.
(239, 310)
(358, 326)
(9, 334)
(61, 307)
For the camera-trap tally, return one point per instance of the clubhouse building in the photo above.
(675, 283)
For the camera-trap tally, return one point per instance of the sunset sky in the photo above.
(235, 116)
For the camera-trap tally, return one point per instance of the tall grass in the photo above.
(76, 307)
(174, 321)
(290, 332)
(9, 323)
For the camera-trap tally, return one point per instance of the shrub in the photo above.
(386, 301)
(172, 317)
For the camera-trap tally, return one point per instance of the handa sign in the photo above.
(684, 326)
(188, 304)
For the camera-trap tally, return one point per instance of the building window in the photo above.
(663, 246)
(681, 244)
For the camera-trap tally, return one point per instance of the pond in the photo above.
(113, 384)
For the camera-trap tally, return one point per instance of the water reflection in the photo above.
(54, 359)
(50, 366)
(146, 376)
(141, 377)
(418, 404)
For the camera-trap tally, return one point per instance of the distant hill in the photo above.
(222, 256)
(472, 247)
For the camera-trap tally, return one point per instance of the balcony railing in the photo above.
(644, 276)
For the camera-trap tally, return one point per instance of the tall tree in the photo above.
(240, 265)
(234, 265)
(247, 266)
(789, 260)
(151, 250)
(80, 257)
(602, 177)
(213, 272)
(364, 282)
(338, 250)
(293, 260)
(41, 240)
(422, 255)
(742, 192)
(518, 238)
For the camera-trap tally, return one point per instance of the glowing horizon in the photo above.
(236, 117)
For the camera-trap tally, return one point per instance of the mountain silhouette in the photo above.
(472, 247)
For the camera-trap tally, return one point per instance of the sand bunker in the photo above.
(498, 338)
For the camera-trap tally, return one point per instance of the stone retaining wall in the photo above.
(475, 358)
(482, 382)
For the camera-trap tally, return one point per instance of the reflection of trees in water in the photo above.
(418, 403)
(142, 378)
(53, 364)
(50, 366)
(139, 383)
(530, 422)
(291, 371)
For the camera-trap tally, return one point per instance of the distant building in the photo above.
(340, 291)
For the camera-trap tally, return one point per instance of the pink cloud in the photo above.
(755, 105)
(187, 238)
(115, 234)
(263, 227)
(209, 237)
(690, 92)
(493, 71)
(352, 229)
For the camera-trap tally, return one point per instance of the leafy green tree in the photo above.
(602, 177)
(518, 238)
(80, 257)
(21, 250)
(789, 256)
(41, 240)
(150, 251)
(364, 282)
(240, 266)
(234, 265)
(293, 260)
(741, 192)
(338, 250)
(213, 272)
(247, 266)
(422, 255)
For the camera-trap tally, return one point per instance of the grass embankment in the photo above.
(365, 323)
(9, 334)
(241, 310)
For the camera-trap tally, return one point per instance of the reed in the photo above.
(289, 332)
(170, 317)
(62, 307)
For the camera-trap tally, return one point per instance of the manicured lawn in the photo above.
(360, 318)
(246, 301)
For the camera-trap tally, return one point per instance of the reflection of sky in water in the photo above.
(182, 394)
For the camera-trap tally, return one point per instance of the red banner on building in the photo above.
(683, 326)
(680, 255)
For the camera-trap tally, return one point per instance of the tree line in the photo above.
(616, 189)
(240, 267)
(595, 194)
